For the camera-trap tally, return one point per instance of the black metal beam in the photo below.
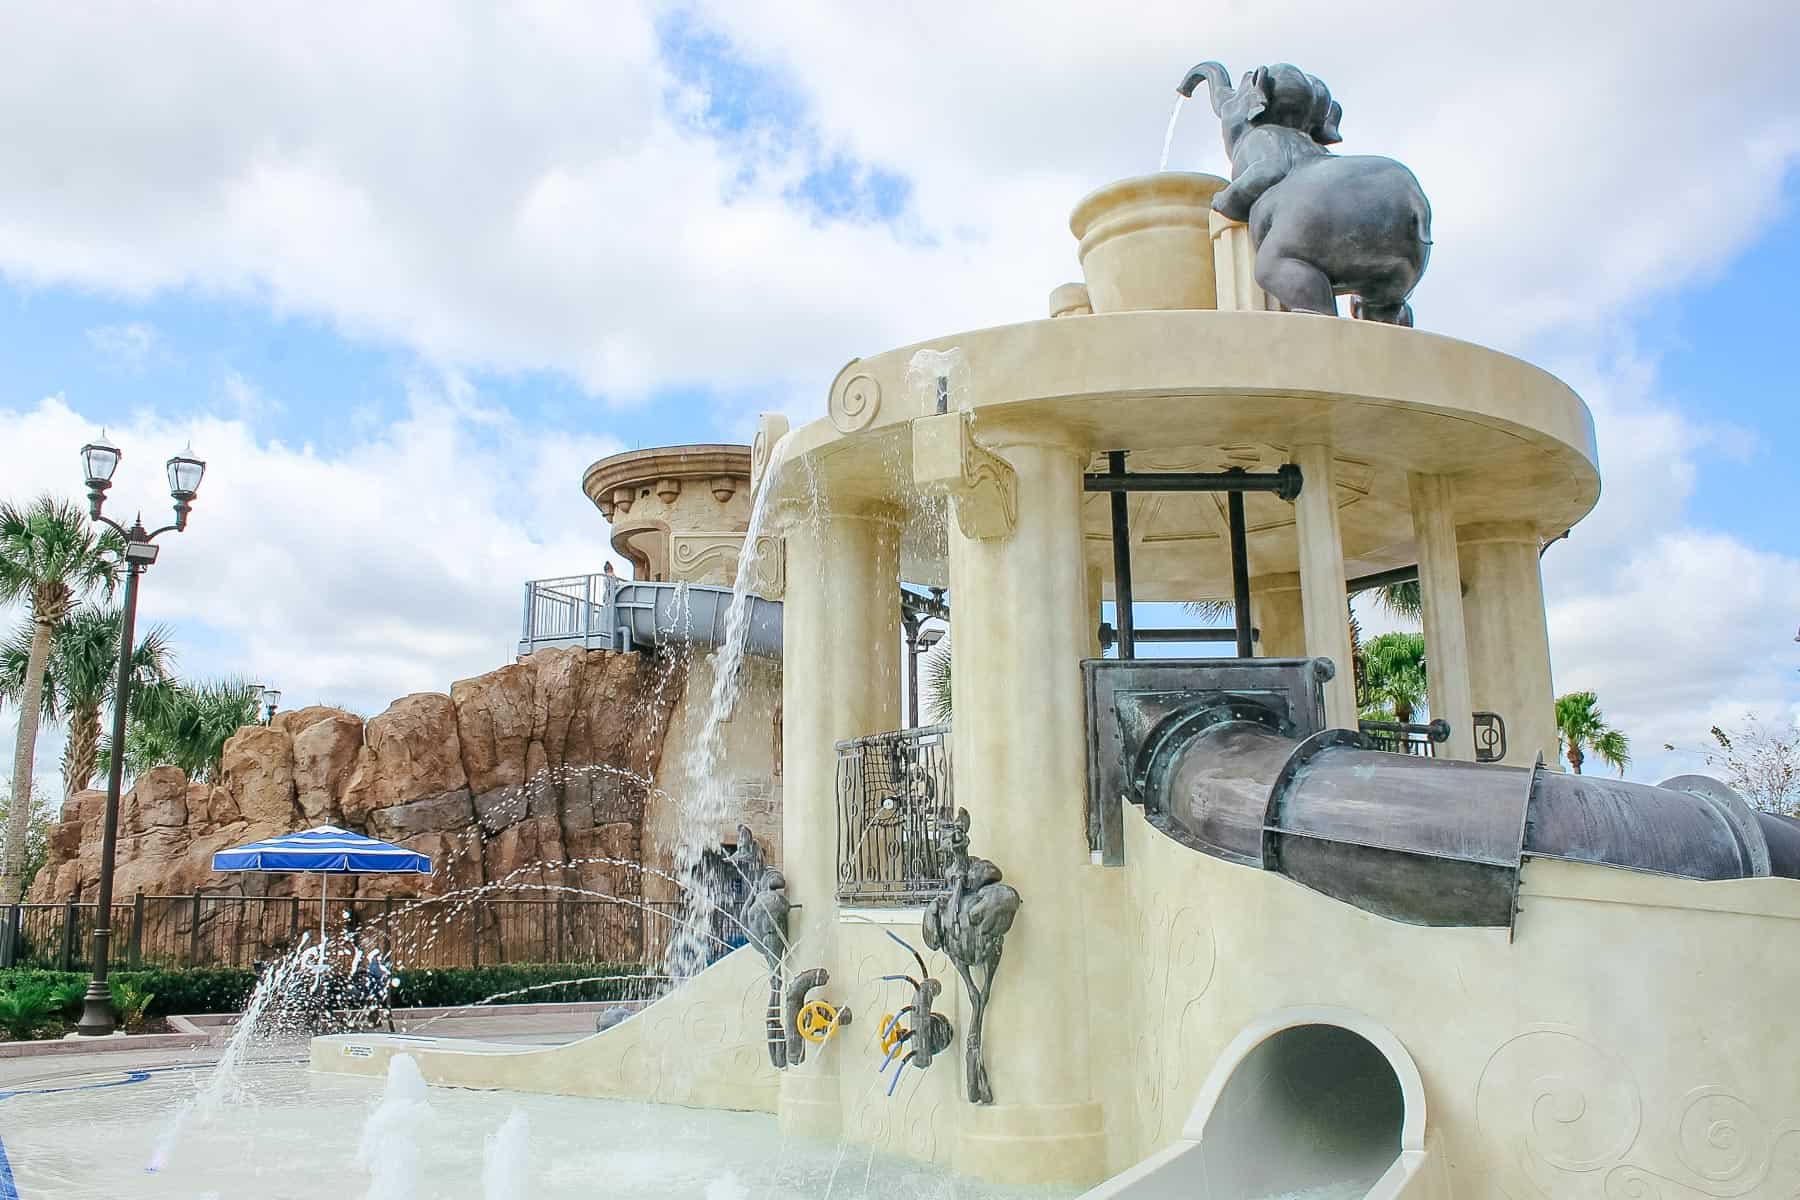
(1240, 572)
(1363, 583)
(1193, 634)
(1285, 481)
(1121, 537)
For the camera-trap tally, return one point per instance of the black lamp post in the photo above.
(101, 459)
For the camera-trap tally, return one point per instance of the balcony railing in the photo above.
(1422, 740)
(572, 611)
(1398, 737)
(893, 795)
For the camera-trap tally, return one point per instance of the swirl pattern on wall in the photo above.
(1555, 1102)
(854, 404)
(1725, 1148)
(1175, 943)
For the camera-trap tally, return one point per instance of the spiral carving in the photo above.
(854, 405)
(1553, 1099)
(1721, 1137)
(1727, 1147)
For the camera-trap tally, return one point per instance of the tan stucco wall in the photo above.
(1632, 1040)
(702, 1046)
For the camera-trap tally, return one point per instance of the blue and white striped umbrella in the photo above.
(324, 851)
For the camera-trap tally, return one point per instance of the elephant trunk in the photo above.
(1218, 83)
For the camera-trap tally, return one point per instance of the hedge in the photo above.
(224, 989)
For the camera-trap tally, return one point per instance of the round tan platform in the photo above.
(1195, 390)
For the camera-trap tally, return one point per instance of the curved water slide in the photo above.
(1232, 760)
(596, 613)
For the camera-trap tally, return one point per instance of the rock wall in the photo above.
(544, 761)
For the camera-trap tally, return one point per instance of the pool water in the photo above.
(286, 1132)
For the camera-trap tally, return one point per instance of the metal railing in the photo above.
(1398, 737)
(571, 611)
(893, 794)
(199, 930)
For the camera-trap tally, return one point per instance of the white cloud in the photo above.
(534, 188)
(131, 345)
(355, 576)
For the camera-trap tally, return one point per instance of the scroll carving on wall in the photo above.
(1572, 1121)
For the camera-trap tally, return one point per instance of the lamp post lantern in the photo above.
(100, 459)
(271, 697)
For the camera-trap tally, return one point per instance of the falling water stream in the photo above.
(1162, 164)
(707, 800)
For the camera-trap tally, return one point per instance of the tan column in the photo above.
(1323, 607)
(1096, 596)
(840, 679)
(1508, 641)
(1440, 591)
(1275, 610)
(1022, 617)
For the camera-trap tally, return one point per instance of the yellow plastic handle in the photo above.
(891, 1038)
(817, 1020)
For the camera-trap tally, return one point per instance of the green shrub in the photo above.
(170, 990)
(27, 1006)
(130, 1002)
(452, 986)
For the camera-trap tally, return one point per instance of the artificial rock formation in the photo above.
(507, 778)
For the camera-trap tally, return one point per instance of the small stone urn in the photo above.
(1145, 242)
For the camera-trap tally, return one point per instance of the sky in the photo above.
(400, 272)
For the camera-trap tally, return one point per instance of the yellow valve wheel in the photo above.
(890, 1039)
(817, 1020)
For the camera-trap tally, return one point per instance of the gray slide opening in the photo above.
(1314, 1110)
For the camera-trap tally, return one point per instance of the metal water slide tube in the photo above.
(597, 612)
(658, 614)
(1238, 766)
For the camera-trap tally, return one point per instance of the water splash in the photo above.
(1162, 164)
(506, 1160)
(222, 1080)
(707, 800)
(390, 1142)
(938, 380)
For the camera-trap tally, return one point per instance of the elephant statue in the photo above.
(1323, 225)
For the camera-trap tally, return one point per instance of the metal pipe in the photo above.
(1284, 481)
(910, 625)
(1192, 633)
(1240, 572)
(1121, 535)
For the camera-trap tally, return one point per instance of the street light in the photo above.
(270, 698)
(99, 459)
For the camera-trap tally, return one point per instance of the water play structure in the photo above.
(1214, 943)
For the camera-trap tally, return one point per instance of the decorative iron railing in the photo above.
(201, 930)
(1397, 737)
(893, 793)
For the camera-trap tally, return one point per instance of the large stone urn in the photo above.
(1145, 242)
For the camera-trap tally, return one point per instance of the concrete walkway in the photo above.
(523, 1024)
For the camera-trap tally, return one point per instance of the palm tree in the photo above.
(1394, 677)
(80, 678)
(1581, 728)
(937, 682)
(185, 725)
(50, 558)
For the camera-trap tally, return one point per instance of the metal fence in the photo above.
(199, 930)
(893, 793)
(567, 612)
